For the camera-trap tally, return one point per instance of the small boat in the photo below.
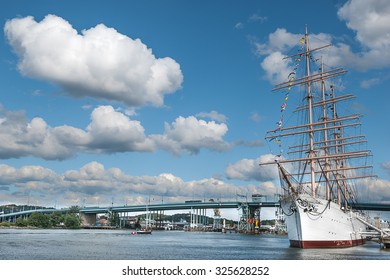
(142, 231)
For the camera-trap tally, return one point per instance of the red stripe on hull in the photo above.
(326, 243)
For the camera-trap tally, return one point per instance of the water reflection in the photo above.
(121, 245)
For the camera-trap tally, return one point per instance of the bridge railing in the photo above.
(181, 206)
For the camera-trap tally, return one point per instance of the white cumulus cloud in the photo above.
(20, 137)
(277, 47)
(377, 190)
(213, 115)
(249, 169)
(369, 19)
(93, 184)
(98, 62)
(109, 131)
(191, 134)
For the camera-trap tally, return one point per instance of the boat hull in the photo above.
(320, 224)
(326, 243)
(144, 232)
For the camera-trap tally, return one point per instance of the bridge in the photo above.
(372, 206)
(197, 208)
(177, 206)
(89, 213)
(12, 216)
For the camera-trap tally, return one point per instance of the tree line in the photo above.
(55, 219)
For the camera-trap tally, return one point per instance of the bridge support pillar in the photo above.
(88, 219)
(250, 219)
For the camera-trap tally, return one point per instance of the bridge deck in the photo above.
(179, 206)
(184, 206)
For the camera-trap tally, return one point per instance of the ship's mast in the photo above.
(340, 163)
(310, 110)
(336, 137)
(325, 119)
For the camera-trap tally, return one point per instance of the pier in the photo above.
(379, 233)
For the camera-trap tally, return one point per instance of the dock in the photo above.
(381, 235)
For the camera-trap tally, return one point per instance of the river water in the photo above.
(52, 244)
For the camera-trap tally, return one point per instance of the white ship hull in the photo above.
(320, 224)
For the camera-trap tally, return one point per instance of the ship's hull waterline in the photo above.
(321, 224)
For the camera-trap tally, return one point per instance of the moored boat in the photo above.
(318, 178)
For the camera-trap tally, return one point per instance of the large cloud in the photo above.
(191, 134)
(20, 138)
(369, 19)
(113, 131)
(100, 62)
(93, 184)
(377, 190)
(249, 169)
(109, 131)
(10, 175)
(281, 42)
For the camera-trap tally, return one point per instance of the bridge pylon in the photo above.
(217, 225)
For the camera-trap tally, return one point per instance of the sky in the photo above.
(125, 102)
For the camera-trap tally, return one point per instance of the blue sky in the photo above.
(119, 101)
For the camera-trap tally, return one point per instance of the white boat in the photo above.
(318, 176)
(142, 231)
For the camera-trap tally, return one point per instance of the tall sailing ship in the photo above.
(318, 178)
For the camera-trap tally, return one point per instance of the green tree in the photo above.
(39, 220)
(56, 218)
(34, 219)
(72, 221)
(21, 222)
(114, 218)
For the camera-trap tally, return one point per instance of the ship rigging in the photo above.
(325, 160)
